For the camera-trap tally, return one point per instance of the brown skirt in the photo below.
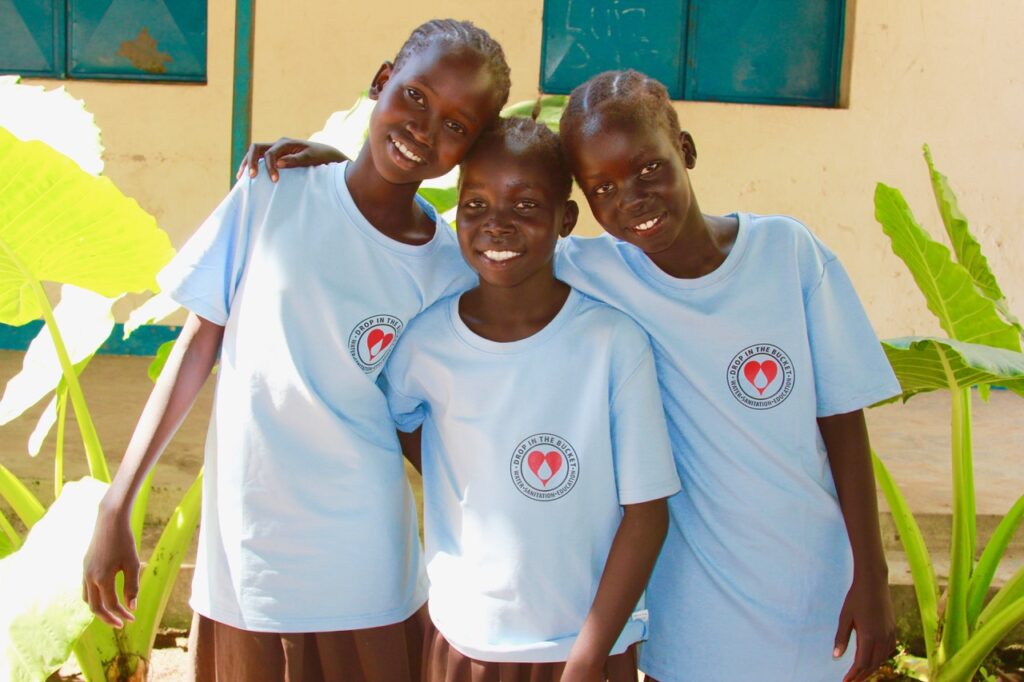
(391, 653)
(444, 663)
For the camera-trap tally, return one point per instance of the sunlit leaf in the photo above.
(548, 109)
(346, 130)
(57, 223)
(159, 360)
(963, 312)
(920, 364)
(155, 309)
(85, 322)
(965, 246)
(53, 116)
(41, 607)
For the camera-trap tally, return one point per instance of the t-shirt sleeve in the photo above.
(850, 367)
(644, 468)
(408, 412)
(205, 274)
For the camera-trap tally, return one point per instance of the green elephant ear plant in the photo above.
(983, 349)
(61, 222)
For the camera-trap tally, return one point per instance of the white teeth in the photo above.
(500, 255)
(406, 152)
(644, 226)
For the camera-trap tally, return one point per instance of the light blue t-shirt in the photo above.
(748, 357)
(308, 521)
(529, 449)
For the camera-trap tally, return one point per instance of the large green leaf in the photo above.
(990, 558)
(919, 364)
(26, 506)
(921, 570)
(548, 109)
(54, 117)
(162, 569)
(963, 311)
(41, 607)
(346, 130)
(965, 246)
(58, 223)
(9, 538)
(85, 322)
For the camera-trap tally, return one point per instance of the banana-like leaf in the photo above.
(159, 360)
(961, 552)
(26, 506)
(58, 223)
(346, 130)
(965, 246)
(53, 117)
(921, 570)
(547, 107)
(9, 538)
(153, 310)
(41, 607)
(968, 659)
(963, 312)
(443, 199)
(85, 321)
(919, 364)
(162, 569)
(990, 558)
(1010, 593)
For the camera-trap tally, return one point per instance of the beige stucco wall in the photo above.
(942, 71)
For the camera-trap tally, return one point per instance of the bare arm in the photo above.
(412, 447)
(113, 546)
(630, 561)
(287, 153)
(868, 607)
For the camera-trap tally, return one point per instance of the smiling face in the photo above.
(512, 209)
(634, 175)
(429, 112)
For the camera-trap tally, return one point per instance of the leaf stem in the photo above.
(90, 439)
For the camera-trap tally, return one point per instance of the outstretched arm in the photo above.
(113, 546)
(868, 607)
(287, 153)
(630, 561)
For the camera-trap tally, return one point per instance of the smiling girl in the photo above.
(309, 561)
(546, 461)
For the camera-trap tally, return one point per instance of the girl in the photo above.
(309, 560)
(765, 359)
(541, 416)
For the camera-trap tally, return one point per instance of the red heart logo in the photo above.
(768, 369)
(536, 460)
(377, 341)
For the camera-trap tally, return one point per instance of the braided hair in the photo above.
(461, 34)
(626, 95)
(527, 135)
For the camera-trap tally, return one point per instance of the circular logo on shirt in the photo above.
(372, 340)
(761, 376)
(544, 467)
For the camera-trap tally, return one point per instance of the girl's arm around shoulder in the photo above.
(867, 607)
(630, 561)
(112, 549)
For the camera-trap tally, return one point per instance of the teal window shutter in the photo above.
(33, 37)
(162, 40)
(768, 51)
(754, 51)
(582, 38)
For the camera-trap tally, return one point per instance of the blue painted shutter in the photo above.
(137, 39)
(769, 51)
(585, 37)
(33, 37)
